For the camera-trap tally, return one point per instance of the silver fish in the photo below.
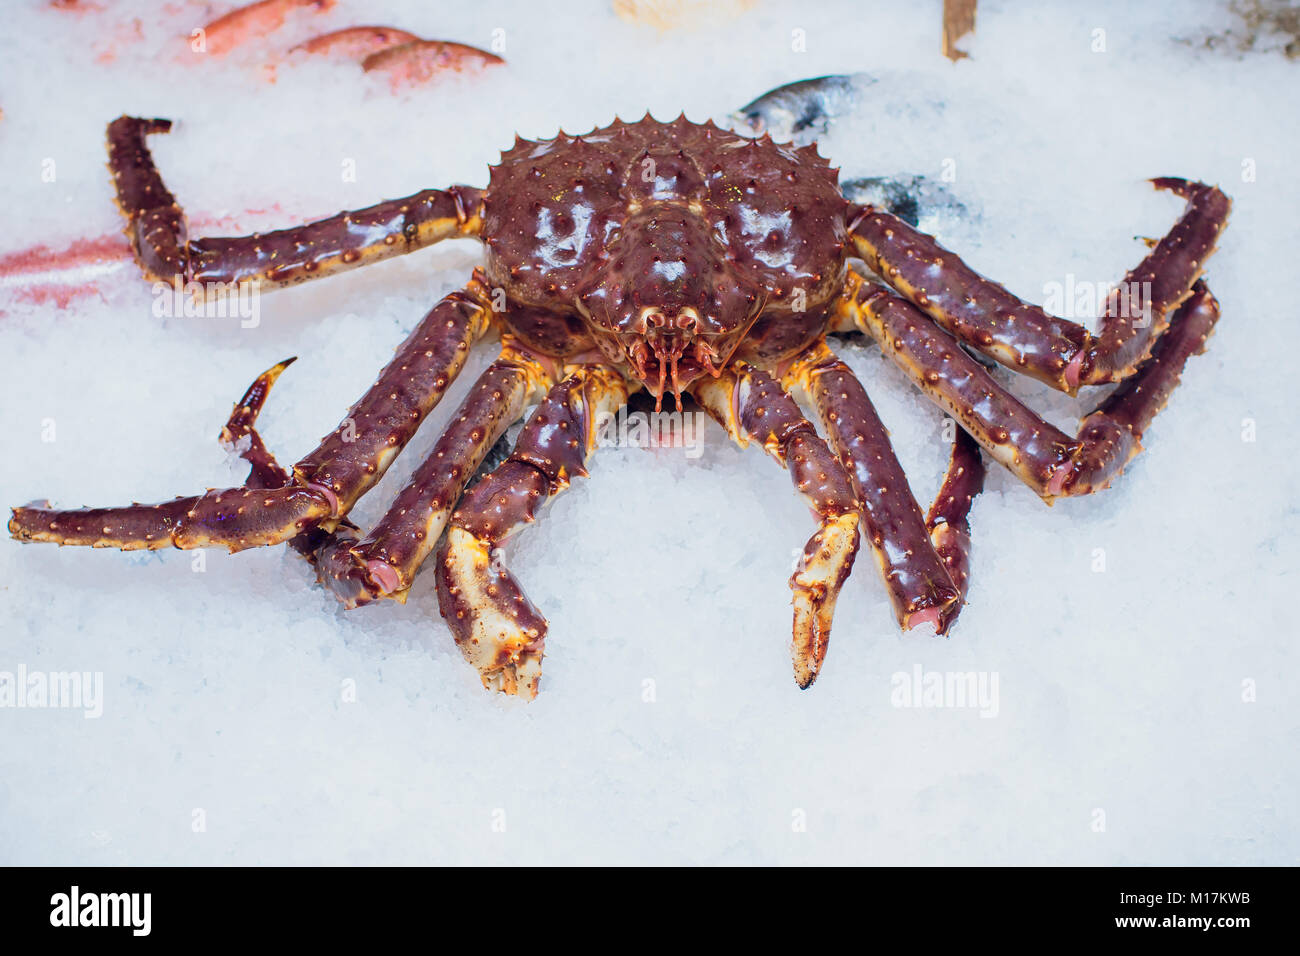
(800, 112)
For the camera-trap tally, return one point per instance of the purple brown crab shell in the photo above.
(667, 241)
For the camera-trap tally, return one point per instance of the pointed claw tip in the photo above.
(1177, 185)
(811, 638)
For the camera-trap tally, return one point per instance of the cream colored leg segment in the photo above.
(496, 627)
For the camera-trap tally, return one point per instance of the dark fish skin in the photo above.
(910, 198)
(495, 456)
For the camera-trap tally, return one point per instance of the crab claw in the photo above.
(826, 562)
(496, 627)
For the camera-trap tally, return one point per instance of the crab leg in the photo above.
(920, 586)
(265, 471)
(1023, 337)
(159, 233)
(947, 521)
(235, 518)
(352, 458)
(385, 562)
(327, 483)
(749, 404)
(1051, 462)
(496, 627)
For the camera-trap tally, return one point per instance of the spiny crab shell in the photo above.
(643, 226)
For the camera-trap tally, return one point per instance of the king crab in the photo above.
(686, 260)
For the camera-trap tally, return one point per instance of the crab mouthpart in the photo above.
(669, 356)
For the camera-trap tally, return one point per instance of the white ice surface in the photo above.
(1120, 691)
